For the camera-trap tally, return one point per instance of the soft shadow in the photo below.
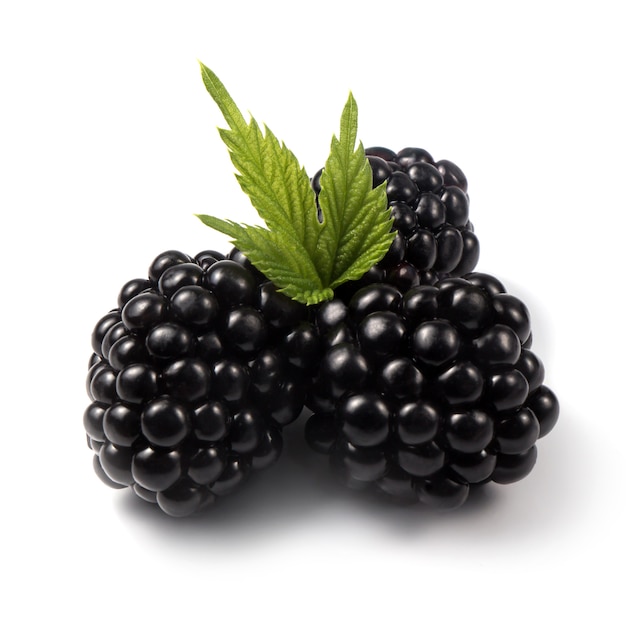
(295, 488)
(298, 490)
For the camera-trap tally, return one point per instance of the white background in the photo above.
(108, 147)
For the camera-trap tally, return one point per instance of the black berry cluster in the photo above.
(423, 394)
(418, 373)
(430, 208)
(192, 378)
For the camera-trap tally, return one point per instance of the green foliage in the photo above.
(306, 258)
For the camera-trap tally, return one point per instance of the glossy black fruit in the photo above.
(193, 377)
(430, 207)
(425, 394)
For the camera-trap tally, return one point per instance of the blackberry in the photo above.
(192, 378)
(424, 394)
(430, 208)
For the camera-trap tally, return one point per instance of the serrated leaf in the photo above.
(357, 224)
(276, 255)
(269, 172)
(304, 257)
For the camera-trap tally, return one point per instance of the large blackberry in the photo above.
(423, 394)
(192, 378)
(430, 209)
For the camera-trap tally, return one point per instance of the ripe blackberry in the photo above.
(192, 378)
(430, 207)
(423, 394)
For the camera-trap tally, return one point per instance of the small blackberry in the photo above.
(423, 394)
(430, 208)
(192, 378)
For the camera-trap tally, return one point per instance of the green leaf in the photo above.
(306, 258)
(277, 257)
(269, 173)
(357, 231)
